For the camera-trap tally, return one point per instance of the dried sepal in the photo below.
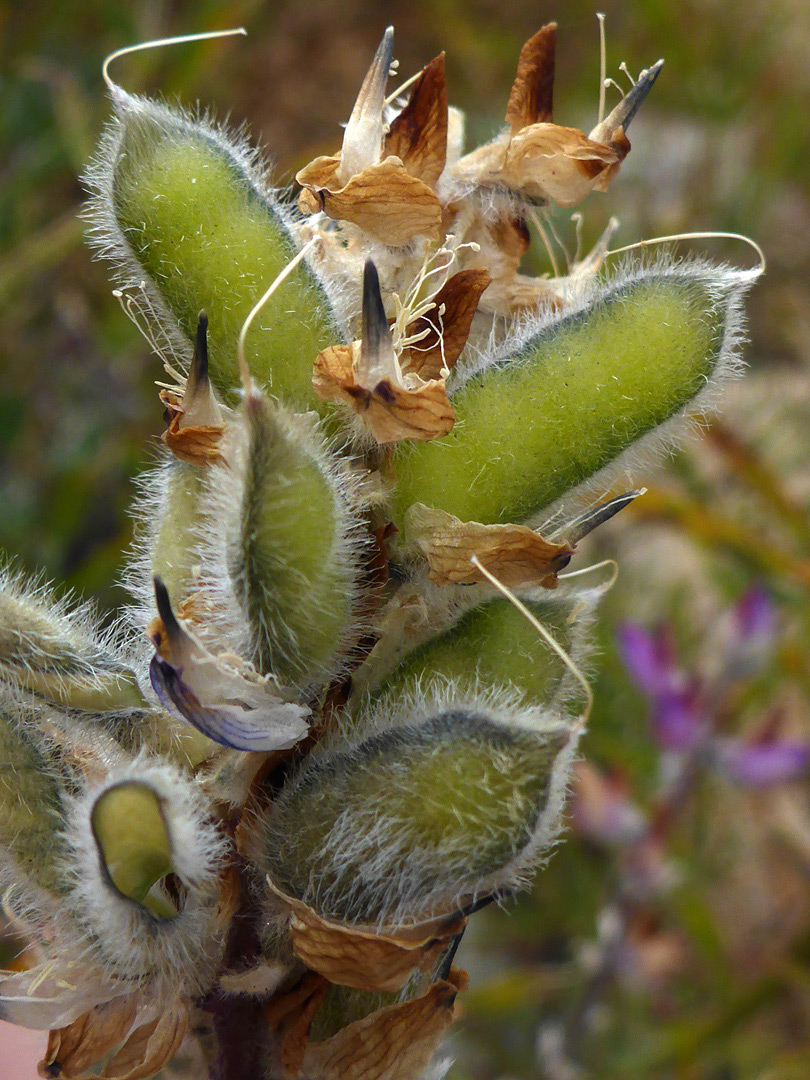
(73, 1049)
(291, 1014)
(364, 957)
(151, 1045)
(394, 1043)
(517, 555)
(392, 404)
(222, 696)
(532, 95)
(418, 134)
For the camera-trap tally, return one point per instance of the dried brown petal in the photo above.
(291, 1014)
(384, 200)
(361, 957)
(150, 1046)
(72, 1050)
(531, 97)
(391, 412)
(418, 135)
(516, 555)
(197, 444)
(437, 352)
(394, 1043)
(541, 162)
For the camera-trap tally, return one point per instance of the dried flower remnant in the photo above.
(329, 732)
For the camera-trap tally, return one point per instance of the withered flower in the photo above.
(195, 420)
(539, 161)
(390, 196)
(402, 395)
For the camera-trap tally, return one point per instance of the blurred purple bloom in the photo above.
(755, 615)
(759, 764)
(675, 716)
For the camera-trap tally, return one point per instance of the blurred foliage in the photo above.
(713, 978)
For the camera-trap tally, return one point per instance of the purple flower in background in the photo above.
(758, 764)
(675, 716)
(755, 615)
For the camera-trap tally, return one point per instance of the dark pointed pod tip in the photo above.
(199, 364)
(375, 330)
(634, 99)
(594, 516)
(164, 606)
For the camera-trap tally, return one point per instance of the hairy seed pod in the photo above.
(442, 809)
(494, 645)
(31, 810)
(125, 836)
(579, 392)
(290, 549)
(60, 654)
(187, 209)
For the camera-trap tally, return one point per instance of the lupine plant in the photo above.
(243, 829)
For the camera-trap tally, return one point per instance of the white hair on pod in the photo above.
(122, 935)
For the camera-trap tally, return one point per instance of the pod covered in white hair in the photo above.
(144, 857)
(184, 209)
(449, 802)
(283, 558)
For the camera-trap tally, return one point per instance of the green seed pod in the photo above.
(578, 392)
(31, 815)
(125, 836)
(494, 645)
(446, 807)
(187, 209)
(289, 544)
(60, 655)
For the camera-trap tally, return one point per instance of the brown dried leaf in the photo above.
(359, 956)
(418, 136)
(394, 1043)
(150, 1046)
(390, 412)
(437, 352)
(531, 97)
(384, 199)
(72, 1050)
(516, 555)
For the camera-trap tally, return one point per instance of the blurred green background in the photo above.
(708, 973)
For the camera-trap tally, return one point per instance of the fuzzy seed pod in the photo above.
(186, 208)
(31, 810)
(290, 547)
(125, 836)
(417, 820)
(579, 391)
(494, 645)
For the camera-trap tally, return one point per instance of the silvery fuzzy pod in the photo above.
(446, 803)
(185, 209)
(577, 396)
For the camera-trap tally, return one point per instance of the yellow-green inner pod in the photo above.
(208, 239)
(412, 811)
(287, 571)
(529, 430)
(175, 553)
(134, 844)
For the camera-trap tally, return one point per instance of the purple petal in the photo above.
(276, 728)
(755, 615)
(760, 764)
(649, 659)
(677, 721)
